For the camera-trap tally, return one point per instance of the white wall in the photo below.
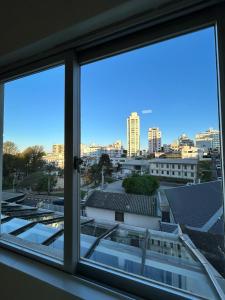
(101, 214)
(129, 219)
(141, 221)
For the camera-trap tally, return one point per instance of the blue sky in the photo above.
(176, 79)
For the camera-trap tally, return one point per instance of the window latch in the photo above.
(77, 161)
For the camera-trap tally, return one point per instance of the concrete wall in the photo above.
(141, 221)
(100, 214)
(129, 219)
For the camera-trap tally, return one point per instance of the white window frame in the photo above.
(93, 49)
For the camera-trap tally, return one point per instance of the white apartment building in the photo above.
(56, 158)
(210, 139)
(95, 151)
(192, 152)
(174, 168)
(154, 140)
(133, 134)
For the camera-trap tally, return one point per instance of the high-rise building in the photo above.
(154, 140)
(209, 139)
(133, 134)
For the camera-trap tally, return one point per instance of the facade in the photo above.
(191, 152)
(154, 140)
(133, 134)
(135, 165)
(58, 149)
(174, 168)
(184, 140)
(166, 148)
(95, 151)
(56, 158)
(208, 140)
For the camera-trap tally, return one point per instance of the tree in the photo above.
(105, 163)
(10, 148)
(204, 170)
(38, 181)
(33, 158)
(140, 185)
(93, 174)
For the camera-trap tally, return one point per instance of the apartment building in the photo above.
(174, 168)
(154, 140)
(210, 139)
(133, 134)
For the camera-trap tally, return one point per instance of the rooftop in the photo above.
(198, 205)
(165, 257)
(122, 202)
(174, 161)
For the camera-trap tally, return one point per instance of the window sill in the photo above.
(22, 278)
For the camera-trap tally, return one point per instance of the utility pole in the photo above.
(102, 178)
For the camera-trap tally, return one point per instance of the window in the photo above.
(113, 80)
(116, 98)
(33, 162)
(119, 216)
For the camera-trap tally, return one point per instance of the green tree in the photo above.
(141, 185)
(38, 181)
(204, 170)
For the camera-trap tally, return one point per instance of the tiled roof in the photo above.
(122, 202)
(194, 205)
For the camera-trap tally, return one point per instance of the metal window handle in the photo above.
(77, 161)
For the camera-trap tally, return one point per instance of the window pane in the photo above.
(151, 173)
(33, 162)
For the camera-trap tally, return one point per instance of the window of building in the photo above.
(162, 172)
(119, 216)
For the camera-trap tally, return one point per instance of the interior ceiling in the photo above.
(29, 27)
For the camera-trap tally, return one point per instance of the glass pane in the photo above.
(151, 173)
(33, 161)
